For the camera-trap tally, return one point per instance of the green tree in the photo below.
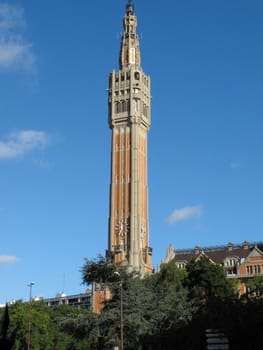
(83, 329)
(255, 287)
(207, 280)
(100, 270)
(6, 343)
(46, 333)
(153, 308)
(170, 276)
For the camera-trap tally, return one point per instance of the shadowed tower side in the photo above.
(129, 119)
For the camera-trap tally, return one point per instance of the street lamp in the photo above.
(121, 310)
(30, 285)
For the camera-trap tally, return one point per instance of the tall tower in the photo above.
(129, 120)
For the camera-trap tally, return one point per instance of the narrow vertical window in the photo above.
(249, 270)
(136, 105)
(257, 269)
(123, 106)
(119, 107)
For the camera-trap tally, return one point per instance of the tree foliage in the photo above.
(46, 333)
(100, 270)
(207, 280)
(166, 310)
(255, 287)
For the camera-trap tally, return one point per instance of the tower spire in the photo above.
(130, 7)
(130, 49)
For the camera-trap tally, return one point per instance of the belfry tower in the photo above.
(129, 120)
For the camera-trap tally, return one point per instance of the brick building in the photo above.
(242, 262)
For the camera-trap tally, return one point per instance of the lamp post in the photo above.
(30, 285)
(121, 310)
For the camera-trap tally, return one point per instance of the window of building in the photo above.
(136, 105)
(257, 269)
(230, 262)
(249, 270)
(124, 106)
(119, 107)
(181, 265)
(137, 75)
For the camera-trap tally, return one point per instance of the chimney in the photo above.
(197, 249)
(230, 247)
(245, 245)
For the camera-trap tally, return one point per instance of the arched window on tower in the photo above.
(117, 107)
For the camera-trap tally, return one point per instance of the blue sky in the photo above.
(205, 143)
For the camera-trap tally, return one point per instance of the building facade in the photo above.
(81, 301)
(241, 262)
(129, 103)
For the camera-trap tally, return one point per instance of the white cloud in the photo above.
(185, 214)
(8, 259)
(11, 17)
(15, 51)
(19, 143)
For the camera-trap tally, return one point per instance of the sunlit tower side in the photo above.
(129, 119)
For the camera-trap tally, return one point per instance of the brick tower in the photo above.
(129, 119)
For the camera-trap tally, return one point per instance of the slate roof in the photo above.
(215, 254)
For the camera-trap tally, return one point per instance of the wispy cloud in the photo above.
(15, 50)
(19, 143)
(234, 165)
(185, 213)
(44, 164)
(8, 259)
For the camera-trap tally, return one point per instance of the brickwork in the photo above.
(129, 119)
(240, 262)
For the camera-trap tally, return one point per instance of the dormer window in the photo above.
(229, 262)
(181, 265)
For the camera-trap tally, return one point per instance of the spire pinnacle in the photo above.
(130, 51)
(130, 7)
